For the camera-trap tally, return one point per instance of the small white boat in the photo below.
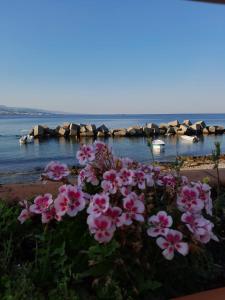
(26, 139)
(193, 139)
(158, 144)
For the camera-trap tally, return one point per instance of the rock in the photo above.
(183, 129)
(162, 131)
(170, 130)
(50, 132)
(135, 131)
(187, 122)
(148, 131)
(74, 129)
(66, 125)
(196, 128)
(201, 123)
(212, 129)
(103, 129)
(63, 132)
(219, 130)
(205, 131)
(83, 128)
(39, 131)
(31, 132)
(101, 134)
(91, 128)
(163, 126)
(174, 123)
(152, 125)
(120, 132)
(87, 133)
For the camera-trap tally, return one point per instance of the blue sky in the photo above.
(113, 56)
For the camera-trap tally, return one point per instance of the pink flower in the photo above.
(111, 182)
(41, 204)
(134, 209)
(200, 227)
(126, 176)
(61, 204)
(114, 214)
(159, 224)
(76, 198)
(56, 171)
(88, 174)
(205, 195)
(99, 204)
(25, 213)
(125, 190)
(139, 179)
(188, 200)
(85, 154)
(101, 147)
(171, 242)
(101, 227)
(49, 215)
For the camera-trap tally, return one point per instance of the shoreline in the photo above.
(15, 192)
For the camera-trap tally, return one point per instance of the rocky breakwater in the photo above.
(149, 130)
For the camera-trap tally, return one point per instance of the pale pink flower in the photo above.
(99, 204)
(101, 147)
(41, 204)
(125, 190)
(101, 227)
(159, 224)
(172, 242)
(126, 176)
(127, 162)
(134, 209)
(111, 181)
(188, 200)
(205, 195)
(85, 154)
(200, 227)
(56, 171)
(76, 198)
(88, 175)
(24, 215)
(114, 213)
(61, 204)
(139, 179)
(49, 215)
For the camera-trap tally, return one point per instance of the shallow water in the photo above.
(20, 163)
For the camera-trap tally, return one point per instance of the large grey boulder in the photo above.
(170, 130)
(74, 129)
(205, 130)
(87, 133)
(135, 131)
(187, 122)
(152, 125)
(66, 125)
(196, 128)
(63, 131)
(120, 132)
(212, 129)
(104, 129)
(39, 131)
(220, 130)
(183, 130)
(201, 123)
(91, 128)
(163, 126)
(174, 123)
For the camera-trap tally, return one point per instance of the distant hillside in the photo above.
(5, 110)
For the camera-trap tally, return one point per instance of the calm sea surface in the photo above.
(23, 163)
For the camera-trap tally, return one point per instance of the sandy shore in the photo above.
(17, 192)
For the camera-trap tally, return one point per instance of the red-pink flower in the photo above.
(56, 171)
(41, 204)
(61, 204)
(200, 227)
(172, 242)
(111, 181)
(25, 213)
(76, 198)
(85, 154)
(126, 176)
(115, 213)
(101, 227)
(188, 200)
(139, 179)
(159, 224)
(49, 215)
(134, 209)
(205, 195)
(99, 204)
(88, 175)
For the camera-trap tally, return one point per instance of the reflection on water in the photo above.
(19, 158)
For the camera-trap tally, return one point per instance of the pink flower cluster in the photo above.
(123, 198)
